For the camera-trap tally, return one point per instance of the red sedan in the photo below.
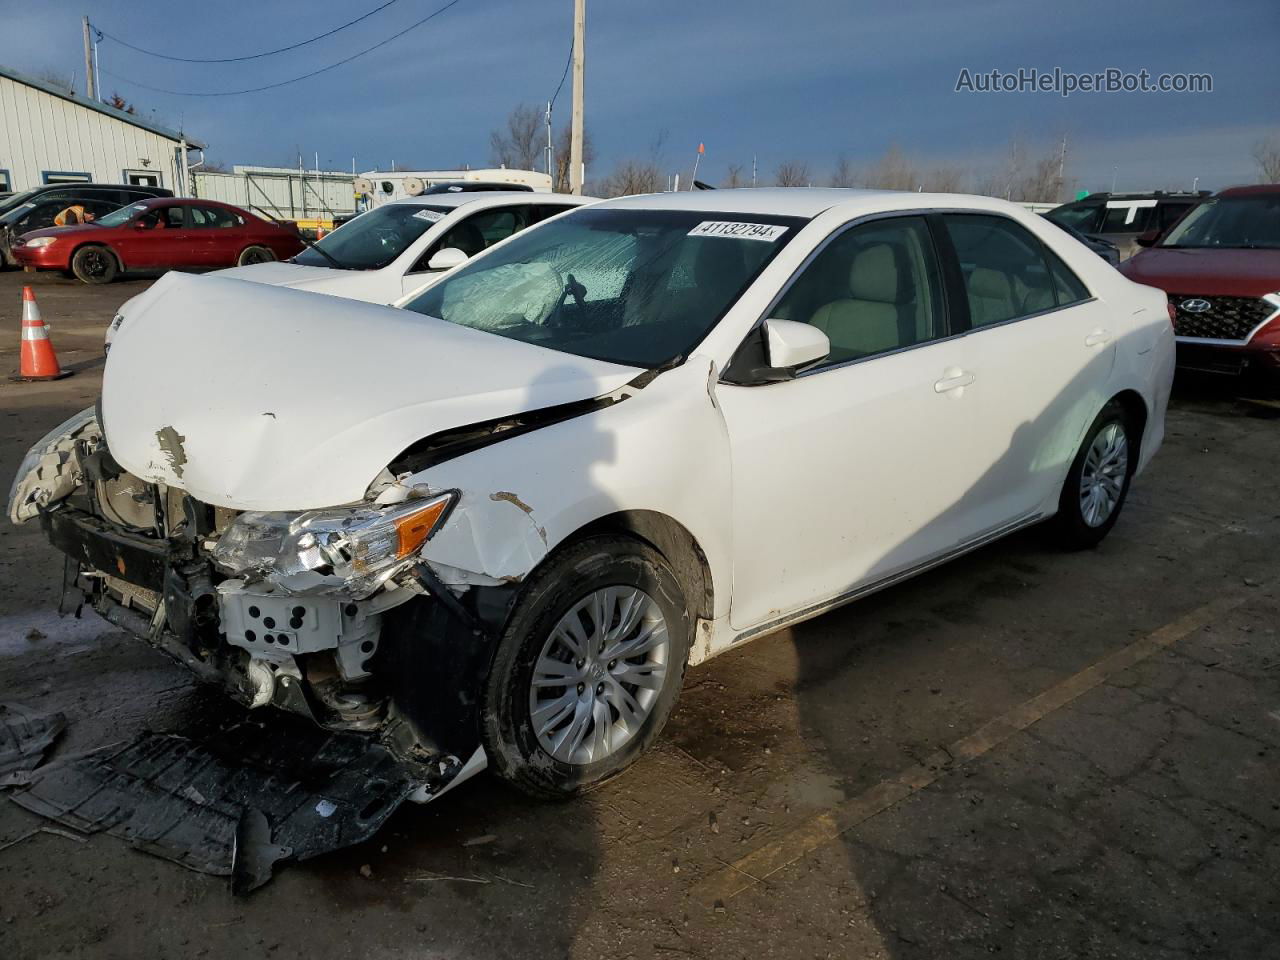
(157, 234)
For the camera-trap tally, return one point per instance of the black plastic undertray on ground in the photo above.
(233, 803)
(24, 737)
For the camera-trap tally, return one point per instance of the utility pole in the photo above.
(576, 172)
(90, 86)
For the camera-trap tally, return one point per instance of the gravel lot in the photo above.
(1025, 753)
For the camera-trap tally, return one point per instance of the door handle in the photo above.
(953, 380)
(1098, 338)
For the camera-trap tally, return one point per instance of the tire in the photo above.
(616, 567)
(255, 254)
(94, 264)
(1083, 521)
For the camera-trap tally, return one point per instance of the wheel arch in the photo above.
(670, 538)
(1135, 407)
(96, 243)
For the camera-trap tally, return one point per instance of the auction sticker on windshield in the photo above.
(738, 231)
(431, 216)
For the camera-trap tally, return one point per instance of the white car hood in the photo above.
(279, 274)
(264, 398)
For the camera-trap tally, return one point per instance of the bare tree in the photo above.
(1266, 153)
(1042, 181)
(518, 145)
(792, 173)
(893, 171)
(943, 180)
(562, 157)
(843, 176)
(735, 178)
(630, 177)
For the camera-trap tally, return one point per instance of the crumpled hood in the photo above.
(279, 274)
(265, 398)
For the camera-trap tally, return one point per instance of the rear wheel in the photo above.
(1098, 481)
(94, 264)
(588, 668)
(254, 255)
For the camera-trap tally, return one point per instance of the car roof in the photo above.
(1259, 189)
(806, 202)
(485, 197)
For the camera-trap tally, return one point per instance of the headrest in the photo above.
(989, 284)
(873, 275)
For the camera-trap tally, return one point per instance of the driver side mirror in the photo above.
(1147, 239)
(789, 345)
(447, 259)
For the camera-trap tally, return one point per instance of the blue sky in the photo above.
(801, 80)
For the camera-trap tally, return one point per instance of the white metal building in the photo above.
(48, 135)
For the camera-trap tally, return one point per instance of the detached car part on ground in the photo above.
(493, 527)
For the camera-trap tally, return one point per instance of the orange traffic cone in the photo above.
(38, 362)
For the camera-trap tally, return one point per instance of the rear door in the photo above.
(1041, 351)
(858, 468)
(217, 236)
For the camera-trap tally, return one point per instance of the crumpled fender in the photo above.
(664, 449)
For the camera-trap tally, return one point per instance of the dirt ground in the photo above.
(1024, 753)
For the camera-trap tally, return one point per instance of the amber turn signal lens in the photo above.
(413, 529)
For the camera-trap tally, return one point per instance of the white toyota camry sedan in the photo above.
(493, 526)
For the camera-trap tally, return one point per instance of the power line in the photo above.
(255, 56)
(283, 83)
(568, 61)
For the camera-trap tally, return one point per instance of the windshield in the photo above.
(372, 240)
(636, 287)
(1230, 222)
(15, 200)
(122, 216)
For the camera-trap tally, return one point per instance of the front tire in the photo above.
(1098, 482)
(588, 668)
(254, 254)
(94, 264)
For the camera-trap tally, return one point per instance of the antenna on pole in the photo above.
(550, 157)
(702, 148)
(576, 168)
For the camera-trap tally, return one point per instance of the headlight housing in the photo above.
(348, 550)
(40, 241)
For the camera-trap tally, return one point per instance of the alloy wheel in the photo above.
(1102, 478)
(599, 674)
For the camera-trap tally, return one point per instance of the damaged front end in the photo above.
(328, 614)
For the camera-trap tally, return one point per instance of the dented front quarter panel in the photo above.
(662, 449)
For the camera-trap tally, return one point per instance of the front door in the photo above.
(859, 468)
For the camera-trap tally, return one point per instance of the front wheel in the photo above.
(588, 668)
(1098, 482)
(255, 254)
(94, 264)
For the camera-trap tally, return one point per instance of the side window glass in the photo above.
(211, 217)
(544, 211)
(171, 218)
(1067, 287)
(872, 289)
(1127, 218)
(1083, 218)
(1004, 270)
(198, 218)
(1171, 213)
